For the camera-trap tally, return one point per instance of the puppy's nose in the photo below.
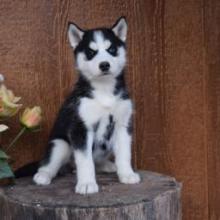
(104, 66)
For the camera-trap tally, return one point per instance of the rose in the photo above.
(31, 117)
(8, 102)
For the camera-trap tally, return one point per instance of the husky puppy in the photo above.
(95, 121)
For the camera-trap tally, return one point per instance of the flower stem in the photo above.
(16, 138)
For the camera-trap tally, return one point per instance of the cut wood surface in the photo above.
(157, 197)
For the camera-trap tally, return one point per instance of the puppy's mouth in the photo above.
(106, 73)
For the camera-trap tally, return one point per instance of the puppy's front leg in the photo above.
(122, 151)
(86, 182)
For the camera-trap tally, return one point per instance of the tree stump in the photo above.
(157, 197)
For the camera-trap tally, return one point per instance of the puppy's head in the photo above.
(100, 51)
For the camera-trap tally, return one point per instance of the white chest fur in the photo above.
(104, 103)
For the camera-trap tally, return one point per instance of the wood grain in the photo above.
(184, 94)
(172, 73)
(156, 197)
(29, 61)
(212, 46)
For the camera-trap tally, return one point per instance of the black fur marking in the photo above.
(120, 87)
(46, 158)
(69, 126)
(109, 129)
(90, 53)
(109, 34)
(96, 126)
(104, 147)
(130, 125)
(93, 146)
(88, 37)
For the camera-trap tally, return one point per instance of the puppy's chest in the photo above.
(99, 107)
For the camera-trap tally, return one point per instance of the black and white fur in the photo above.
(95, 120)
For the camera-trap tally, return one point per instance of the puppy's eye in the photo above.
(112, 50)
(91, 53)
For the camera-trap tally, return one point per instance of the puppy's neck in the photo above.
(104, 84)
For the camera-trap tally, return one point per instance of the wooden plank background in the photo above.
(173, 75)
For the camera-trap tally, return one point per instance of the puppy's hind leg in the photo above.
(60, 154)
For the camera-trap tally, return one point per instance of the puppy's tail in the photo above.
(27, 170)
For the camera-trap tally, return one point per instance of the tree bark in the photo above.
(157, 197)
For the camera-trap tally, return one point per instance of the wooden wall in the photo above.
(173, 74)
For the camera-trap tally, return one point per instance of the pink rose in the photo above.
(31, 117)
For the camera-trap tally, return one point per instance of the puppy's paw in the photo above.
(86, 188)
(130, 178)
(42, 178)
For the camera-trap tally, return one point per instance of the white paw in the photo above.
(130, 178)
(86, 188)
(107, 166)
(42, 178)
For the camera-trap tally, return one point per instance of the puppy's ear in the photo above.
(75, 35)
(120, 28)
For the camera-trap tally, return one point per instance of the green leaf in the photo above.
(5, 170)
(3, 155)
